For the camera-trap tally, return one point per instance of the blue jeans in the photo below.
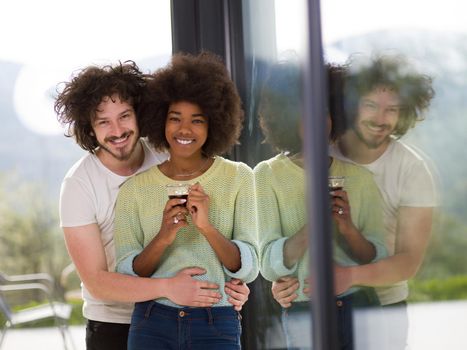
(296, 320)
(157, 326)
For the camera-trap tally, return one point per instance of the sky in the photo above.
(341, 19)
(50, 39)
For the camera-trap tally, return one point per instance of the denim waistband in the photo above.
(360, 298)
(208, 313)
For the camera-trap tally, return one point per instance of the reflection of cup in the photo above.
(178, 191)
(336, 183)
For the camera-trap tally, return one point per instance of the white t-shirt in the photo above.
(404, 180)
(88, 195)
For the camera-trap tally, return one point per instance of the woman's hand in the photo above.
(198, 207)
(341, 211)
(361, 249)
(173, 219)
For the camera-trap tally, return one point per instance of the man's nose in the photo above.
(380, 116)
(117, 129)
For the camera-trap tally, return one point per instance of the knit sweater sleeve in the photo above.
(270, 235)
(245, 226)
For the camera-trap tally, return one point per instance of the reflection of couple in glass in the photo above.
(280, 184)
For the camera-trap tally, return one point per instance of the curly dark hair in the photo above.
(396, 73)
(202, 80)
(77, 103)
(280, 108)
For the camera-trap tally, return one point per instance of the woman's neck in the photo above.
(185, 168)
(297, 159)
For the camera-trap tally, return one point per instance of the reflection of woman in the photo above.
(280, 181)
(194, 113)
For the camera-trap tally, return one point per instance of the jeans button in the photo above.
(181, 313)
(339, 303)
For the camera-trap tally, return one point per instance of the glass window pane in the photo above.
(420, 46)
(275, 57)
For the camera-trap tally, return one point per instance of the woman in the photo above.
(280, 182)
(194, 112)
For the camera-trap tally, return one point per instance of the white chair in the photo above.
(51, 309)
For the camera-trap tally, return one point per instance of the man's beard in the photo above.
(372, 144)
(121, 155)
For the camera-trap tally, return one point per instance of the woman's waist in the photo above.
(217, 311)
(214, 274)
(359, 296)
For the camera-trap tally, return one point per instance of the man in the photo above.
(99, 108)
(384, 99)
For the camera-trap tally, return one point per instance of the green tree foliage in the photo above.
(446, 255)
(451, 288)
(443, 275)
(30, 237)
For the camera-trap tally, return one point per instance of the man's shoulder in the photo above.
(81, 166)
(401, 152)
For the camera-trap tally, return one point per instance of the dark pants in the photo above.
(157, 326)
(106, 336)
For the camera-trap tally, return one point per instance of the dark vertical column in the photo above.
(316, 160)
(198, 25)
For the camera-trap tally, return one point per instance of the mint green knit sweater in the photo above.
(232, 210)
(280, 187)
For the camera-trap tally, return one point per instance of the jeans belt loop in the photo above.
(149, 308)
(210, 318)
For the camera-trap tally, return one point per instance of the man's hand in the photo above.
(238, 293)
(342, 279)
(184, 290)
(283, 290)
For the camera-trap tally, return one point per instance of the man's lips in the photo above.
(119, 140)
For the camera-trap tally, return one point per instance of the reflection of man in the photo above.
(99, 107)
(384, 99)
